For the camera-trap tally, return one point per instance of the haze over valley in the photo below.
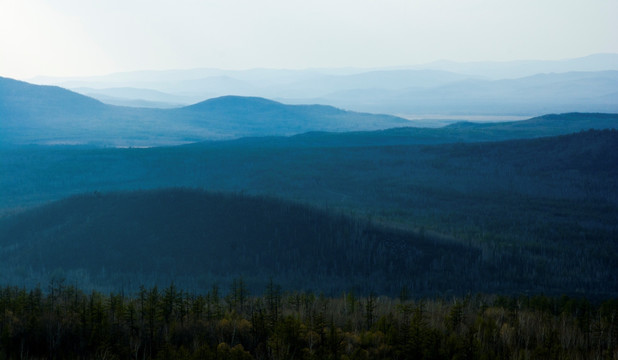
(522, 88)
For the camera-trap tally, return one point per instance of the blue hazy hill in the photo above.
(253, 115)
(537, 94)
(34, 114)
(28, 102)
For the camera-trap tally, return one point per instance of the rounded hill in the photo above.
(196, 238)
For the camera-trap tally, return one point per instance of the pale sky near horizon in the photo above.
(87, 37)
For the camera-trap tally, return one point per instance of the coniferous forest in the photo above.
(62, 322)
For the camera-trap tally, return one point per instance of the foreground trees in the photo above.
(66, 323)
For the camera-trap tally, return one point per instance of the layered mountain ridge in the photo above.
(33, 114)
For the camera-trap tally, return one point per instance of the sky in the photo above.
(88, 37)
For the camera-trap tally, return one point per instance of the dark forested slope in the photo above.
(196, 239)
(585, 152)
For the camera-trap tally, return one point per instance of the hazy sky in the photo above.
(87, 37)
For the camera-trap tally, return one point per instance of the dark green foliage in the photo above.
(370, 308)
(170, 324)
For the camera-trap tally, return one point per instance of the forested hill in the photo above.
(587, 152)
(24, 105)
(19, 96)
(255, 116)
(196, 239)
(545, 125)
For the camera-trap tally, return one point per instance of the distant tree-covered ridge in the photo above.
(34, 114)
(50, 115)
(196, 238)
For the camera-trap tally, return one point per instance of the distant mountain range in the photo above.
(127, 96)
(447, 88)
(33, 114)
(459, 132)
(523, 68)
(533, 95)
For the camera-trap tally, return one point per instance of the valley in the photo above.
(235, 202)
(513, 204)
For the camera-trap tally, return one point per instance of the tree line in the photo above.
(64, 322)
